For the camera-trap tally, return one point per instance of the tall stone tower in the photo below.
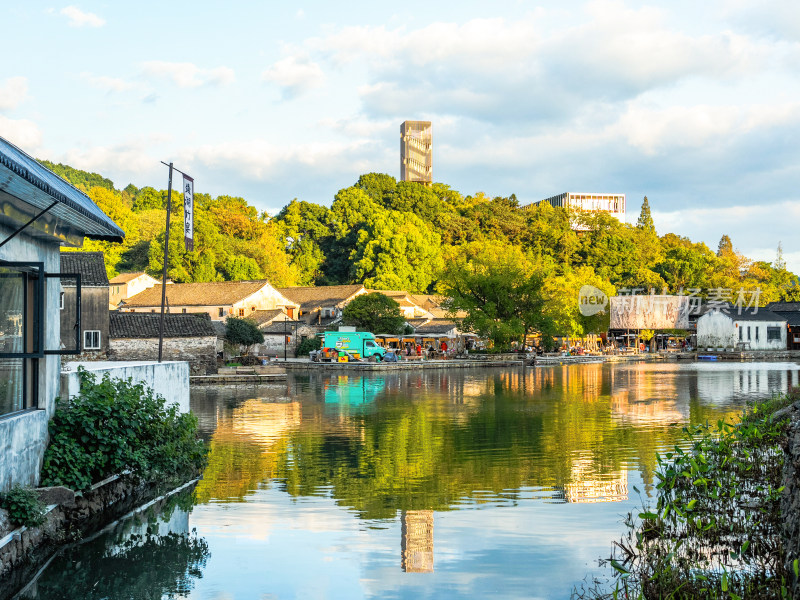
(416, 152)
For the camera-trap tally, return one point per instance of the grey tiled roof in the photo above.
(781, 307)
(90, 265)
(281, 327)
(75, 207)
(435, 327)
(145, 325)
(750, 314)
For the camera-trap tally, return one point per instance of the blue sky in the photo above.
(696, 105)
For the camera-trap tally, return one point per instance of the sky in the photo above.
(695, 105)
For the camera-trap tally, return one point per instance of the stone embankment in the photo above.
(70, 517)
(790, 500)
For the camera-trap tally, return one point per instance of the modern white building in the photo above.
(748, 329)
(613, 204)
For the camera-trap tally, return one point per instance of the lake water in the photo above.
(431, 484)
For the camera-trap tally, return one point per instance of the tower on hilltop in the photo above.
(416, 152)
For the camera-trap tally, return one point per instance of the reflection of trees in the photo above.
(244, 447)
(426, 440)
(137, 560)
(140, 568)
(544, 429)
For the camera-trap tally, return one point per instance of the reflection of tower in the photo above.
(417, 543)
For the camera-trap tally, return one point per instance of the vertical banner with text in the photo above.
(188, 212)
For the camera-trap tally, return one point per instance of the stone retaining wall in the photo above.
(790, 501)
(25, 549)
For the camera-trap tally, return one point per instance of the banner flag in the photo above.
(188, 212)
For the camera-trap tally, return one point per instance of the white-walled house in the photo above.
(218, 299)
(752, 329)
(39, 213)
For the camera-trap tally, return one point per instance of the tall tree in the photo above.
(645, 218)
(725, 246)
(499, 288)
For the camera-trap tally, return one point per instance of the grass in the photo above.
(715, 530)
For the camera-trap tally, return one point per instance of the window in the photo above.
(748, 333)
(241, 312)
(774, 334)
(757, 328)
(61, 300)
(741, 333)
(183, 310)
(21, 334)
(91, 339)
(221, 312)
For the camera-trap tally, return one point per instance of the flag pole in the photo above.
(164, 274)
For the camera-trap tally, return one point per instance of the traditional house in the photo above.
(189, 337)
(125, 285)
(39, 213)
(323, 305)
(281, 334)
(741, 329)
(218, 299)
(791, 312)
(408, 305)
(93, 332)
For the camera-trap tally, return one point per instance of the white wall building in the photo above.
(752, 329)
(592, 202)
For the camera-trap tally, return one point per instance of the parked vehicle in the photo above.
(355, 344)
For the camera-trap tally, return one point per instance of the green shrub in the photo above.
(307, 345)
(117, 426)
(244, 332)
(23, 506)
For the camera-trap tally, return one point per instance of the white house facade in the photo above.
(748, 329)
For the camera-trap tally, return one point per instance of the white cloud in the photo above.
(12, 92)
(745, 224)
(22, 133)
(295, 74)
(78, 18)
(526, 70)
(671, 129)
(189, 75)
(109, 84)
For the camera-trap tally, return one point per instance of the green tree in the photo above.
(499, 288)
(374, 312)
(645, 221)
(725, 246)
(244, 332)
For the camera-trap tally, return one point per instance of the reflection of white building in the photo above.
(417, 541)
(718, 384)
(587, 485)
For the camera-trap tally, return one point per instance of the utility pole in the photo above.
(164, 274)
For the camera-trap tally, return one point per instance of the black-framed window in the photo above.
(21, 334)
(91, 339)
(773, 334)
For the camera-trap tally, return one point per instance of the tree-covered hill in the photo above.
(399, 235)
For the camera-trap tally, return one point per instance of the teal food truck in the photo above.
(357, 344)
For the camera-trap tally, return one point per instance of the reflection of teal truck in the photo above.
(358, 344)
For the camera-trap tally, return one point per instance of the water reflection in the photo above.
(462, 484)
(429, 440)
(147, 556)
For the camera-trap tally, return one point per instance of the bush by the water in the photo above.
(23, 506)
(716, 528)
(307, 345)
(115, 426)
